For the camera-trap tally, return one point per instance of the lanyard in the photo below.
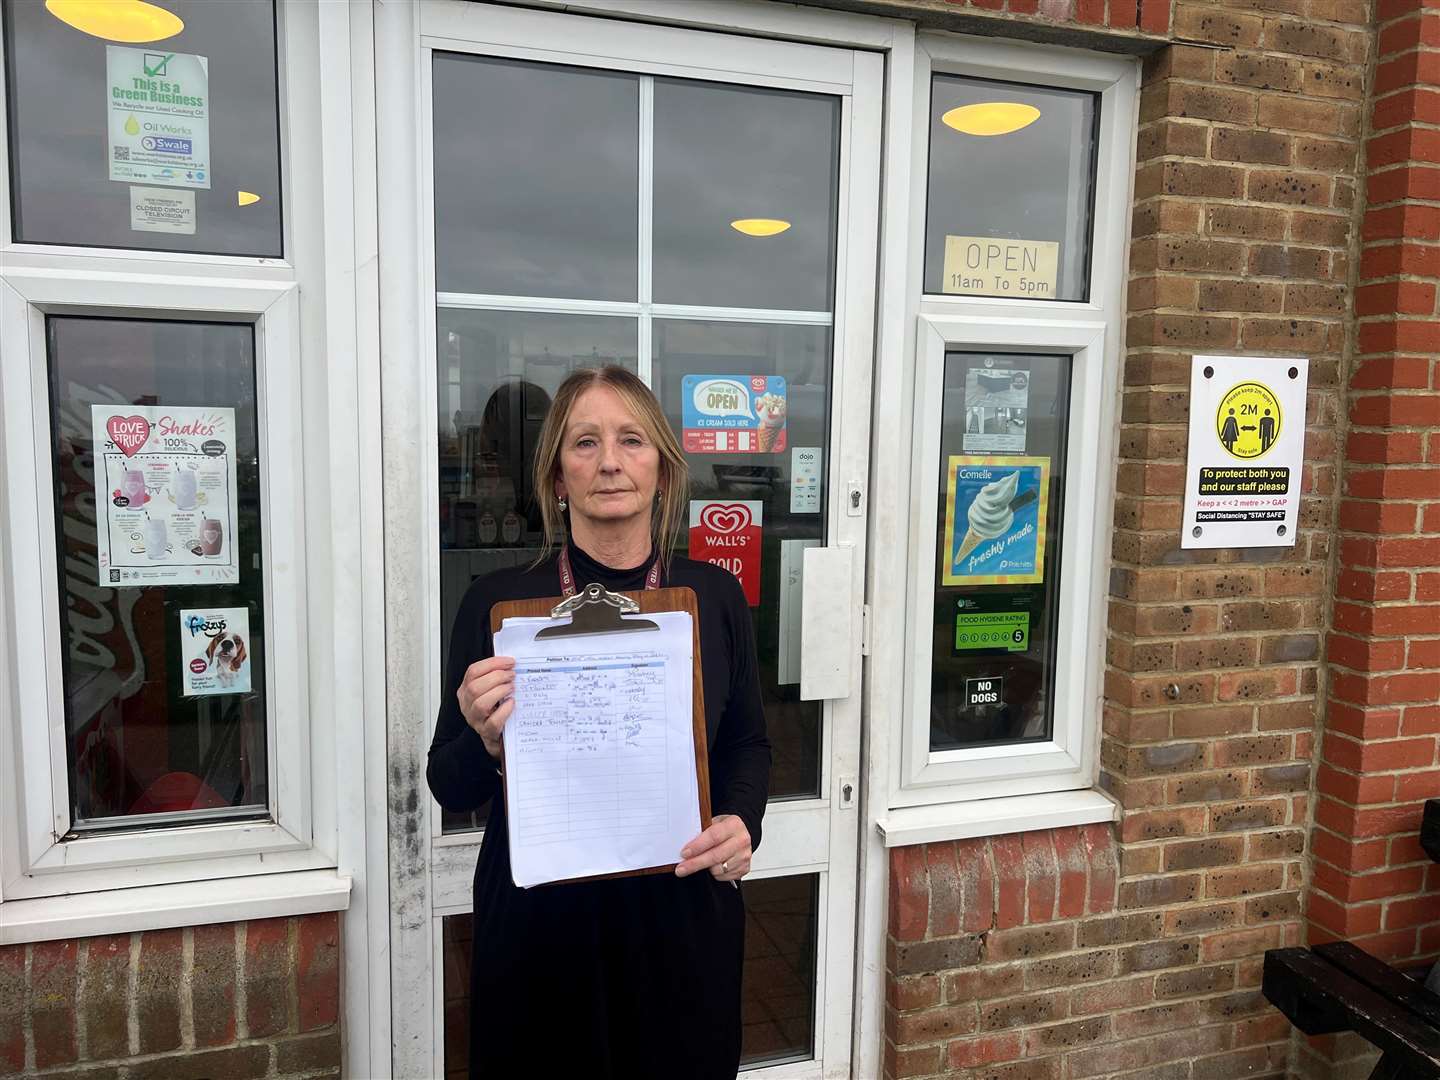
(567, 576)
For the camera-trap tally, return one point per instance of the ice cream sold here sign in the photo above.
(1246, 451)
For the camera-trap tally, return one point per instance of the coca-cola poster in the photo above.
(165, 498)
(728, 534)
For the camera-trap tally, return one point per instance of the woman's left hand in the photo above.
(724, 848)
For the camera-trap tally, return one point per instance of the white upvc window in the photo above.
(1020, 178)
(128, 762)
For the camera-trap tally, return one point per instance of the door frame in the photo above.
(411, 580)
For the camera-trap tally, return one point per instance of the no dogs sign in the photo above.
(1247, 445)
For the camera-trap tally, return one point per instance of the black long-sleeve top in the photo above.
(650, 965)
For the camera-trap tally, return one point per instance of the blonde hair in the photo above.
(667, 518)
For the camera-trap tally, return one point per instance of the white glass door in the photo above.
(701, 209)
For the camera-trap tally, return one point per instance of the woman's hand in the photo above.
(724, 847)
(486, 699)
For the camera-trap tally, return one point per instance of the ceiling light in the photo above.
(760, 226)
(991, 117)
(117, 20)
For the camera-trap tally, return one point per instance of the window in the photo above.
(170, 145)
(1022, 169)
(162, 610)
(1002, 478)
(166, 474)
(1012, 170)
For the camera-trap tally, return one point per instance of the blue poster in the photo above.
(733, 414)
(995, 520)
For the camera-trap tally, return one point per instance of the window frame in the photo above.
(294, 316)
(927, 788)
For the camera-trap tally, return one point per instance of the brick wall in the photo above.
(1378, 761)
(1244, 236)
(232, 1000)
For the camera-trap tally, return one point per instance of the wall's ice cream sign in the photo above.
(995, 520)
(733, 414)
(727, 534)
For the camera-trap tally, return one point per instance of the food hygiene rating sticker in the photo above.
(1248, 420)
(1009, 630)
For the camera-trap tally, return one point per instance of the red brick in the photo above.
(1099, 843)
(212, 985)
(268, 970)
(944, 890)
(157, 990)
(977, 885)
(1010, 877)
(909, 893)
(1071, 859)
(1041, 876)
(317, 972)
(968, 1053)
(52, 1002)
(12, 1009)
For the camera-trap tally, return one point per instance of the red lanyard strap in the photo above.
(567, 576)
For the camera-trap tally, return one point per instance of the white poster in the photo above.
(997, 407)
(158, 104)
(162, 210)
(805, 479)
(215, 651)
(1247, 448)
(165, 497)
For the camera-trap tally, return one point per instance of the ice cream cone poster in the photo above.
(728, 535)
(733, 414)
(995, 520)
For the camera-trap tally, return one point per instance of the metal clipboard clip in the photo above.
(596, 610)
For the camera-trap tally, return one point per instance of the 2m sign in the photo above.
(989, 266)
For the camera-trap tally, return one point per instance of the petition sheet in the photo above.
(599, 750)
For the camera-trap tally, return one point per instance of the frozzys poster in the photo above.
(733, 414)
(215, 651)
(165, 499)
(995, 520)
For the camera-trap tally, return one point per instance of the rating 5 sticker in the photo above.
(1009, 630)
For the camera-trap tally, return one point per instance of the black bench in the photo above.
(1340, 987)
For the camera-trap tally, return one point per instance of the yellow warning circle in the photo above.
(1248, 420)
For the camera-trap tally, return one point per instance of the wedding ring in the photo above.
(725, 865)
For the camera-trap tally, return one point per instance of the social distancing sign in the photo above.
(1247, 445)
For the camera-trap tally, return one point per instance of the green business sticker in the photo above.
(993, 630)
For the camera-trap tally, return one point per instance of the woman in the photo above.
(632, 977)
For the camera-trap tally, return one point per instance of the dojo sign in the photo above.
(728, 535)
(1246, 452)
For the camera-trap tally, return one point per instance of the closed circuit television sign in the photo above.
(1246, 451)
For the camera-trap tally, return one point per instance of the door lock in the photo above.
(847, 792)
(855, 494)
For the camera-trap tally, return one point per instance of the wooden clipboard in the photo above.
(595, 610)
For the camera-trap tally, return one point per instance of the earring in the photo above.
(562, 504)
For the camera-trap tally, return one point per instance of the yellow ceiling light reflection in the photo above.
(245, 198)
(760, 226)
(991, 117)
(131, 21)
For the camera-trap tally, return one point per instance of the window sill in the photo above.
(992, 817)
(158, 907)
